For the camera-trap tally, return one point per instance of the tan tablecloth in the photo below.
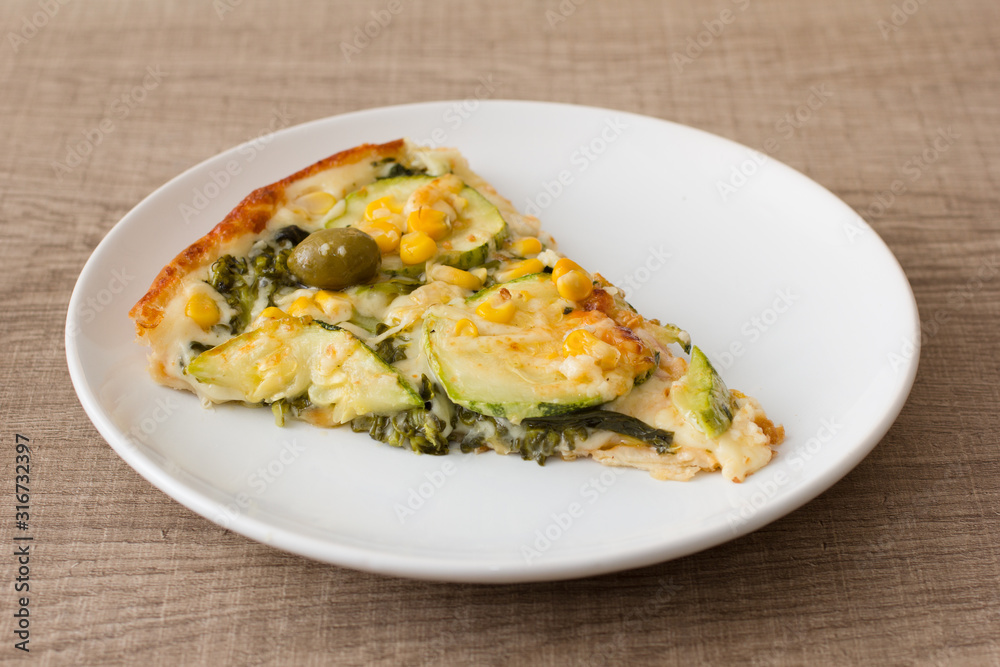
(898, 563)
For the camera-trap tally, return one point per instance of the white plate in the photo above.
(796, 300)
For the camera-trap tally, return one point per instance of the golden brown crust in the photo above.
(775, 434)
(249, 217)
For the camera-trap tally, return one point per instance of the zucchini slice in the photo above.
(479, 230)
(294, 358)
(702, 397)
(518, 370)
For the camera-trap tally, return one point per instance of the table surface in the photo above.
(897, 563)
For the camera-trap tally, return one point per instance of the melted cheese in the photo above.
(740, 451)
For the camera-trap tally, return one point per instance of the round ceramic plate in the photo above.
(793, 297)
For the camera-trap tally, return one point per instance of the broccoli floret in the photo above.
(419, 429)
(229, 276)
(422, 430)
(541, 437)
(242, 282)
(389, 168)
(534, 443)
(391, 349)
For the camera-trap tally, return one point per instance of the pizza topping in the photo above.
(334, 306)
(572, 282)
(291, 358)
(582, 342)
(424, 429)
(290, 236)
(316, 203)
(203, 310)
(520, 269)
(574, 285)
(564, 265)
(444, 220)
(430, 221)
(301, 306)
(385, 233)
(537, 439)
(606, 420)
(248, 284)
(665, 334)
(416, 248)
(450, 274)
(497, 309)
(418, 429)
(381, 208)
(528, 245)
(392, 347)
(441, 194)
(391, 168)
(531, 358)
(466, 327)
(702, 395)
(335, 258)
(406, 310)
(268, 314)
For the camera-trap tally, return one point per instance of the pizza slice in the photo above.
(390, 288)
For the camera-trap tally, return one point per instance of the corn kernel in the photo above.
(608, 357)
(562, 266)
(579, 341)
(385, 233)
(316, 203)
(453, 276)
(500, 314)
(529, 245)
(203, 310)
(574, 285)
(430, 221)
(381, 207)
(332, 303)
(300, 306)
(582, 341)
(416, 247)
(522, 268)
(466, 328)
(273, 313)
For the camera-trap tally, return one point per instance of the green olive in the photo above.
(335, 258)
